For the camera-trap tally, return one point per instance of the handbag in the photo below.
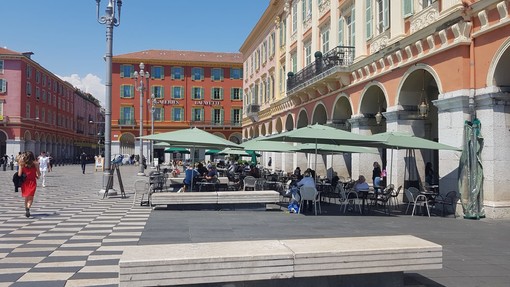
(18, 180)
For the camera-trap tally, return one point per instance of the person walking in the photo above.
(44, 162)
(83, 161)
(30, 167)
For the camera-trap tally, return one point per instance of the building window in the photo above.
(159, 114)
(27, 111)
(426, 3)
(197, 114)
(383, 14)
(157, 72)
(217, 116)
(1, 66)
(217, 74)
(264, 52)
(216, 93)
(126, 71)
(282, 77)
(197, 93)
(236, 73)
(236, 93)
(293, 61)
(44, 96)
(37, 77)
(158, 92)
(37, 93)
(177, 92)
(236, 117)
(294, 17)
(127, 91)
(350, 28)
(29, 72)
(283, 33)
(307, 9)
(197, 74)
(127, 115)
(177, 73)
(325, 40)
(44, 80)
(3, 86)
(43, 115)
(308, 53)
(177, 114)
(272, 43)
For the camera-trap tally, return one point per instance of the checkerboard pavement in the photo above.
(74, 237)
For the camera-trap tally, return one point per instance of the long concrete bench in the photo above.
(215, 197)
(367, 261)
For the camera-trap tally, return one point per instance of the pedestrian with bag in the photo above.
(28, 166)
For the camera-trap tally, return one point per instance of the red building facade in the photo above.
(185, 89)
(38, 110)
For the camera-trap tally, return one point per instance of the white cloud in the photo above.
(90, 84)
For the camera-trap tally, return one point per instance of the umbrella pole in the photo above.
(316, 159)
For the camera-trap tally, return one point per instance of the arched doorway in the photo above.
(319, 116)
(127, 143)
(302, 119)
(3, 143)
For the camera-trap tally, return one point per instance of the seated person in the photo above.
(202, 170)
(361, 184)
(297, 171)
(334, 180)
(307, 180)
(212, 174)
(254, 171)
(190, 175)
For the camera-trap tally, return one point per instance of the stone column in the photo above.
(492, 111)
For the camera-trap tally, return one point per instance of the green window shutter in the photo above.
(368, 16)
(221, 74)
(231, 117)
(202, 93)
(201, 74)
(222, 116)
(231, 93)
(122, 71)
(221, 93)
(172, 73)
(121, 91)
(132, 91)
(341, 31)
(408, 8)
(162, 72)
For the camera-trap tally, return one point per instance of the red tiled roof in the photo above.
(4, 51)
(183, 56)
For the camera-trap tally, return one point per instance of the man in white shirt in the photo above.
(44, 161)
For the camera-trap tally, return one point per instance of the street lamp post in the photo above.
(100, 134)
(141, 87)
(110, 21)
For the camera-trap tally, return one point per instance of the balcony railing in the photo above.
(127, 122)
(340, 56)
(226, 124)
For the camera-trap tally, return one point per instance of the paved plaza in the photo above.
(75, 238)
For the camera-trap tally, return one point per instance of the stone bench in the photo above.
(367, 261)
(215, 197)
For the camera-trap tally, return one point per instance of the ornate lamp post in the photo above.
(110, 21)
(152, 101)
(140, 86)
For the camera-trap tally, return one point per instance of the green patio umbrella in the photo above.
(403, 140)
(193, 138)
(177, 150)
(329, 148)
(320, 134)
(240, 152)
(213, 152)
(260, 144)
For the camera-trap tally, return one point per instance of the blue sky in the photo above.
(67, 39)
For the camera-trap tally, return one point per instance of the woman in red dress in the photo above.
(30, 167)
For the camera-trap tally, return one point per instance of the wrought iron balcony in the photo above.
(338, 58)
(127, 122)
(215, 124)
